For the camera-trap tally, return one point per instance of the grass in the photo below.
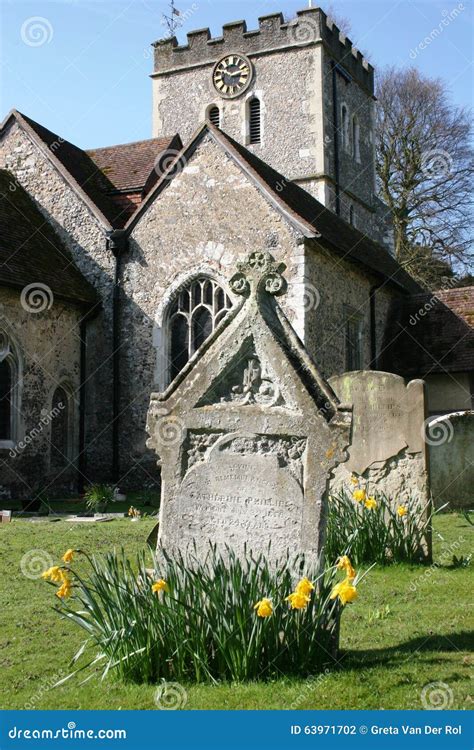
(408, 628)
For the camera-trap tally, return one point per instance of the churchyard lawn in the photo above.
(408, 628)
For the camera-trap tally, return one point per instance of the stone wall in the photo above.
(337, 286)
(48, 352)
(85, 239)
(451, 449)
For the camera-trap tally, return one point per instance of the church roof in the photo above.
(128, 166)
(431, 333)
(30, 250)
(99, 175)
(301, 209)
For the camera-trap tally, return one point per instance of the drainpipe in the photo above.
(116, 243)
(335, 129)
(82, 458)
(373, 327)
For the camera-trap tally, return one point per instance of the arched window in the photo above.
(9, 391)
(214, 115)
(61, 428)
(345, 127)
(255, 124)
(193, 315)
(355, 138)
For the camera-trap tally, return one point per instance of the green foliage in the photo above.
(379, 534)
(98, 497)
(204, 627)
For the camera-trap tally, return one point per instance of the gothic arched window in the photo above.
(193, 314)
(255, 124)
(214, 115)
(9, 390)
(61, 426)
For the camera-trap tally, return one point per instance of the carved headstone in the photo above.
(248, 432)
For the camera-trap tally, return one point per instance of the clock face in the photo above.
(232, 75)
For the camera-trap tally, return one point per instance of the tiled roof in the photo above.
(308, 214)
(431, 334)
(112, 180)
(129, 165)
(30, 250)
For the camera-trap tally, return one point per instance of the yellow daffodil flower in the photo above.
(54, 574)
(264, 608)
(159, 585)
(359, 495)
(304, 587)
(65, 590)
(345, 564)
(354, 479)
(345, 591)
(402, 511)
(298, 600)
(68, 556)
(370, 503)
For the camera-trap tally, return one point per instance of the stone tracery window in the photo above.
(194, 313)
(9, 390)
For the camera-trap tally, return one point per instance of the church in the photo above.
(115, 262)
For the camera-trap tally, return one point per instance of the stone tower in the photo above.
(297, 94)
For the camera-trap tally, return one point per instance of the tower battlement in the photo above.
(311, 27)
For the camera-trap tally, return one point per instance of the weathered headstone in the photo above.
(451, 447)
(388, 448)
(248, 432)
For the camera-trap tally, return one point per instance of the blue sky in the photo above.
(88, 79)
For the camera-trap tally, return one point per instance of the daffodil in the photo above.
(54, 574)
(345, 564)
(264, 608)
(68, 556)
(370, 503)
(359, 495)
(402, 511)
(65, 590)
(354, 479)
(304, 587)
(345, 590)
(159, 585)
(298, 600)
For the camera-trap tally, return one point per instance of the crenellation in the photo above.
(311, 27)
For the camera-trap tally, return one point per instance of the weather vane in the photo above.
(172, 21)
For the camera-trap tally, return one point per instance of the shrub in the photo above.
(98, 497)
(221, 618)
(375, 529)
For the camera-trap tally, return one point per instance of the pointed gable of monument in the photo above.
(249, 431)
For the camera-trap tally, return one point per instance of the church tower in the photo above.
(297, 94)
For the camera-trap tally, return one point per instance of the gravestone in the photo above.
(248, 433)
(388, 449)
(451, 446)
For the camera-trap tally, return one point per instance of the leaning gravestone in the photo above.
(451, 446)
(248, 432)
(388, 450)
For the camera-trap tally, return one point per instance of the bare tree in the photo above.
(425, 167)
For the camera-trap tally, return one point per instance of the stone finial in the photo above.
(260, 272)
